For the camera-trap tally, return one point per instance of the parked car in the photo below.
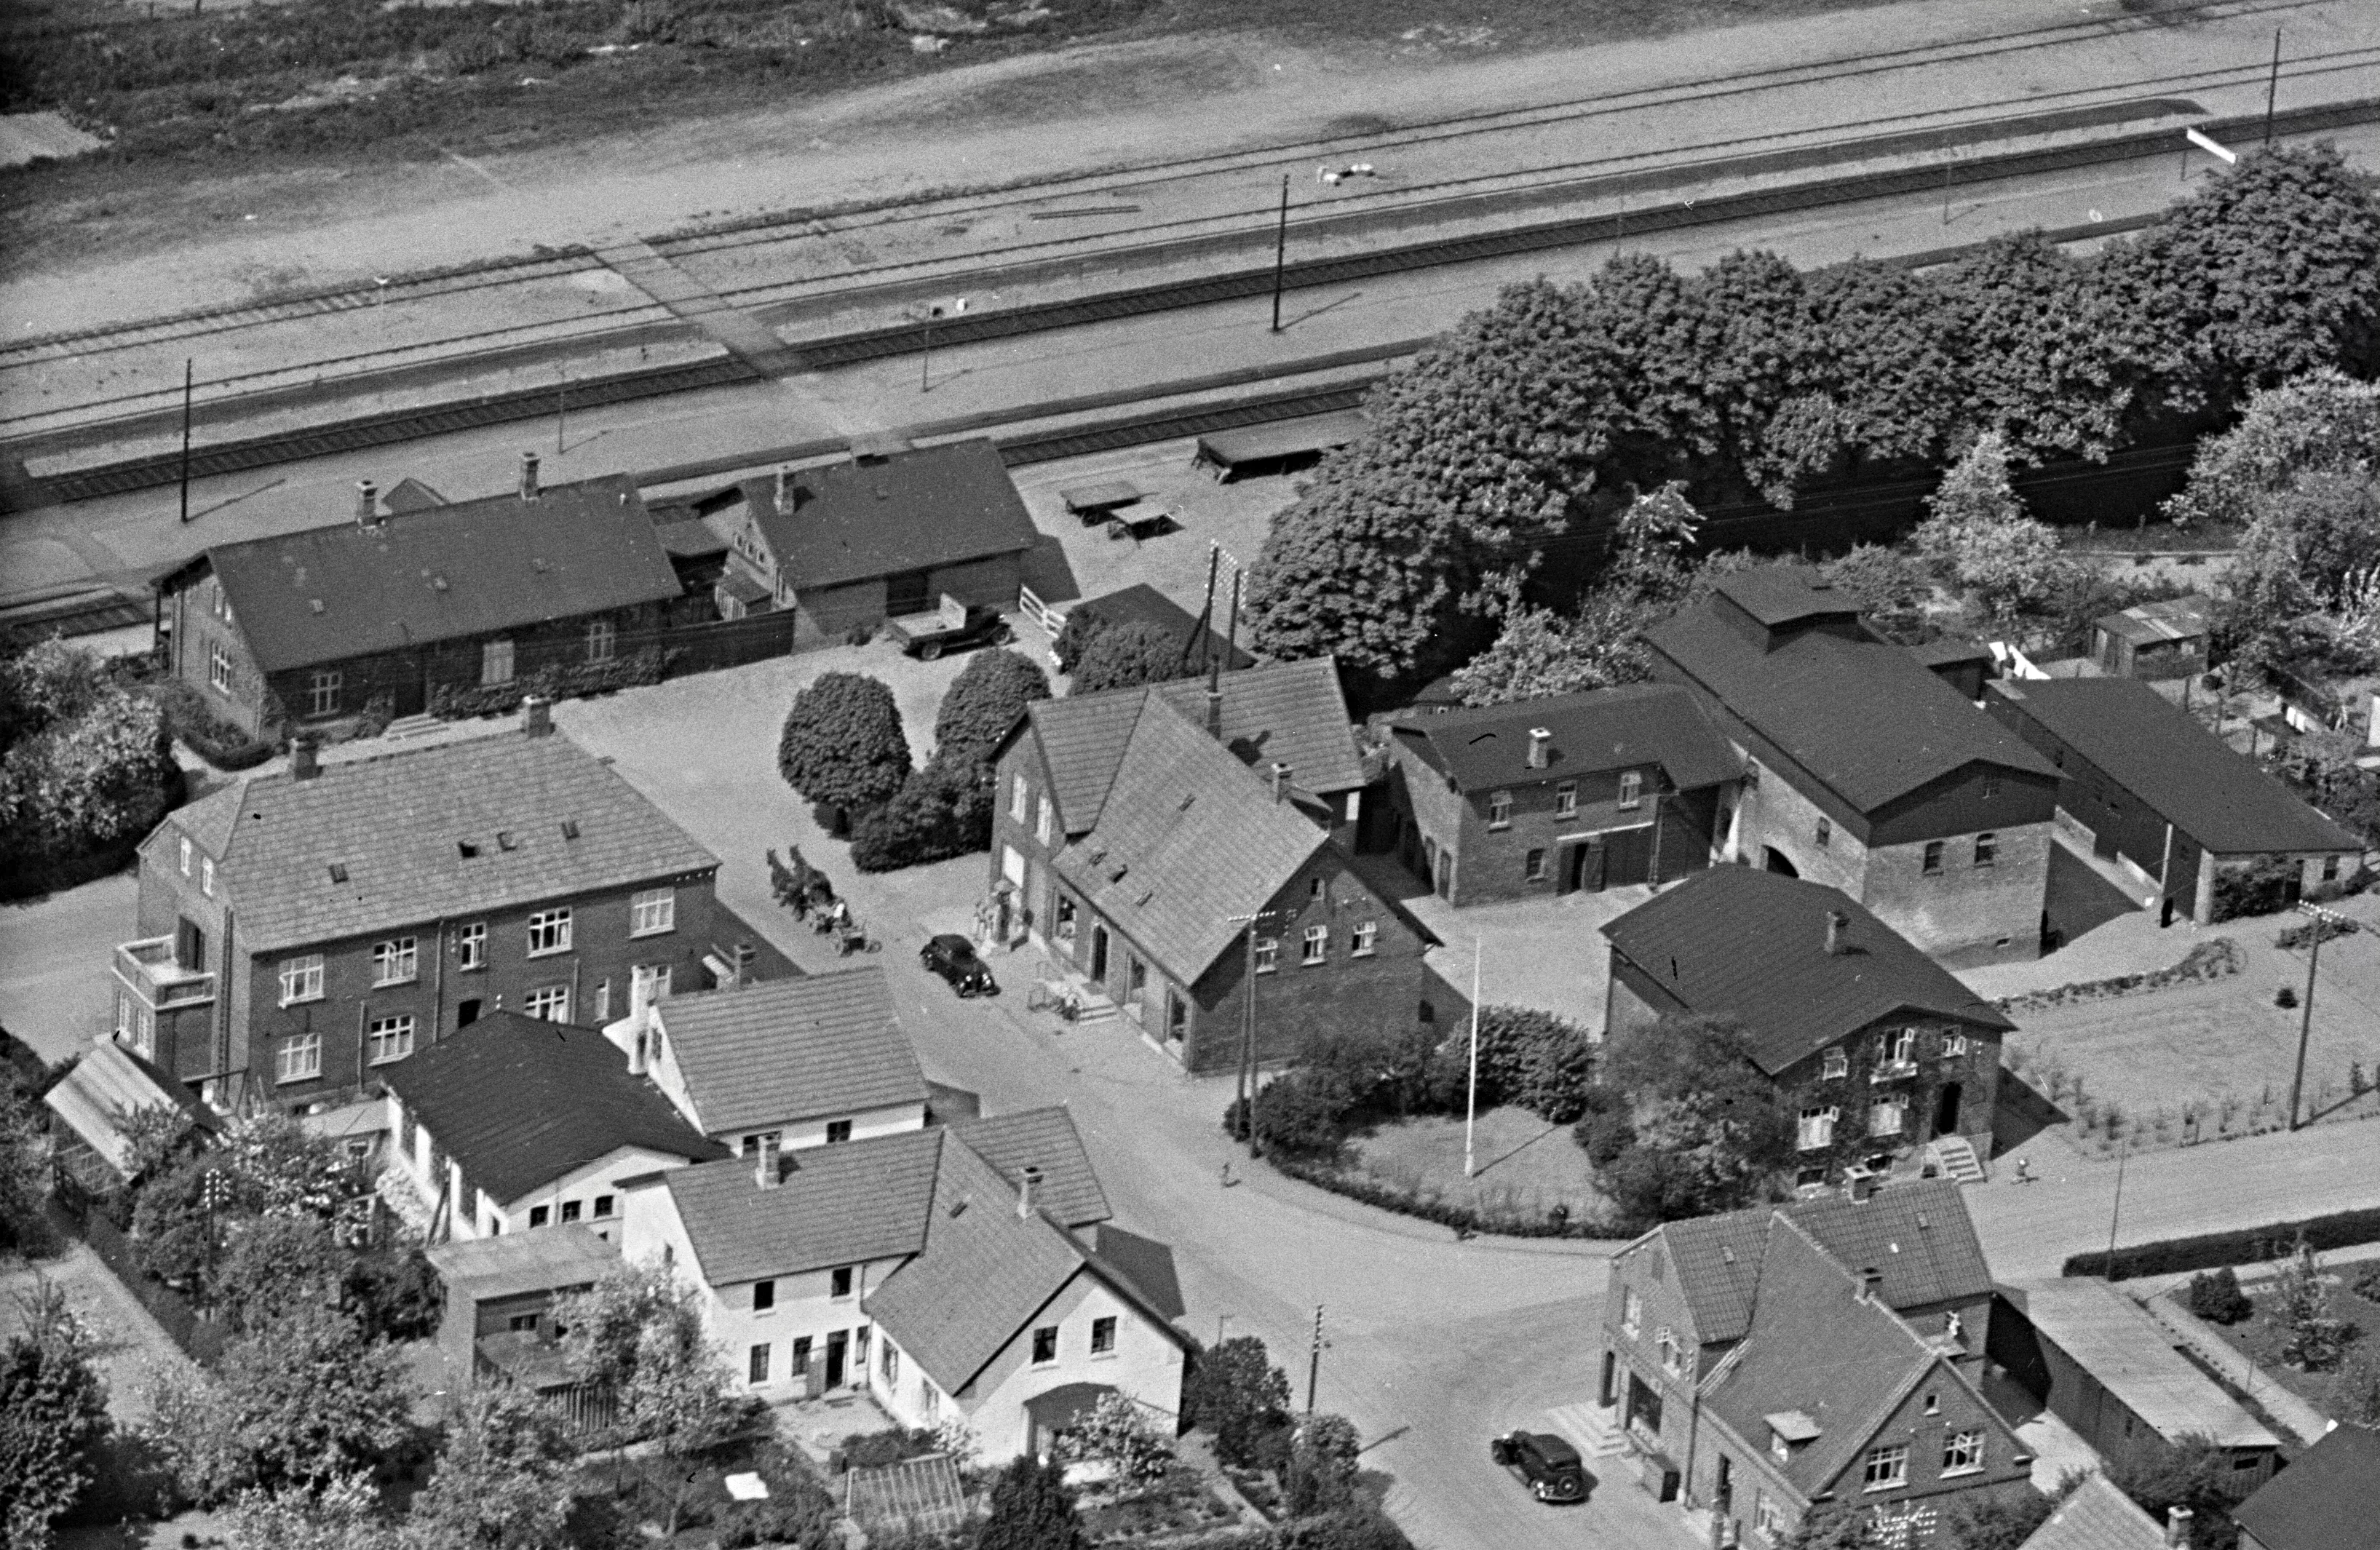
(1547, 1465)
(953, 957)
(948, 628)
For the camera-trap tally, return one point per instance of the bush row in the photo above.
(454, 702)
(1461, 1218)
(2245, 1246)
(206, 733)
(2213, 959)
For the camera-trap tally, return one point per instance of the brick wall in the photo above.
(1966, 914)
(1805, 1085)
(1644, 1268)
(198, 630)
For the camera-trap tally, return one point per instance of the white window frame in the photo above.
(1896, 1108)
(1834, 1064)
(602, 640)
(1535, 866)
(553, 926)
(1499, 809)
(1020, 795)
(1963, 1452)
(1987, 848)
(1268, 955)
(218, 668)
(302, 978)
(1103, 1335)
(1632, 1312)
(207, 875)
(1813, 1129)
(496, 662)
(1366, 939)
(1315, 947)
(1673, 1353)
(654, 977)
(396, 961)
(185, 855)
(1045, 821)
(549, 1003)
(1566, 799)
(323, 687)
(1769, 1516)
(471, 945)
(602, 1002)
(1632, 789)
(1034, 1351)
(299, 1058)
(389, 1038)
(1887, 1467)
(653, 911)
(1930, 860)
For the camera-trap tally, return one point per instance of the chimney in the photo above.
(1870, 1280)
(1280, 781)
(1836, 924)
(528, 476)
(367, 503)
(2177, 1527)
(745, 953)
(303, 764)
(784, 481)
(1214, 710)
(537, 715)
(1541, 741)
(1027, 1184)
(1859, 1183)
(637, 1034)
(764, 1171)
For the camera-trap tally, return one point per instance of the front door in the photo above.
(837, 1345)
(190, 946)
(1946, 1109)
(803, 1364)
(1603, 1392)
(1100, 956)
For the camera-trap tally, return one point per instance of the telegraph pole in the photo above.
(1249, 1040)
(2272, 88)
(188, 367)
(2115, 1212)
(1471, 1103)
(2322, 921)
(1313, 1363)
(1280, 252)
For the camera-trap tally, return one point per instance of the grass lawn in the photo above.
(1525, 1165)
(2330, 1392)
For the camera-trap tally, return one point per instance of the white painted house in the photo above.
(514, 1123)
(801, 1062)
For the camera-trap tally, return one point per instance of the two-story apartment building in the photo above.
(1865, 770)
(809, 1061)
(515, 1123)
(888, 533)
(1874, 1048)
(301, 930)
(1546, 797)
(1160, 867)
(314, 626)
(1720, 1334)
(800, 1255)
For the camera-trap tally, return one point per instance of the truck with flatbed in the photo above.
(951, 627)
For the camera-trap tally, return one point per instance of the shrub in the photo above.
(1302, 1111)
(1075, 637)
(2292, 937)
(554, 681)
(1236, 1392)
(1540, 1061)
(939, 811)
(1324, 1454)
(1607, 1130)
(875, 1450)
(206, 734)
(1359, 1527)
(1032, 1509)
(842, 746)
(1126, 656)
(2260, 888)
(2215, 1297)
(983, 702)
(2365, 1283)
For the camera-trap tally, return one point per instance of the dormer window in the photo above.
(1632, 789)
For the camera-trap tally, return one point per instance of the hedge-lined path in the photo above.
(2236, 1368)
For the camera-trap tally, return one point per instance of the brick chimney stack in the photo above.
(1029, 1184)
(2177, 1527)
(1541, 741)
(765, 1172)
(367, 503)
(304, 761)
(1836, 924)
(1280, 781)
(528, 487)
(537, 715)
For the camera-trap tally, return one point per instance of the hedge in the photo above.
(1461, 1218)
(452, 702)
(2171, 1256)
(207, 734)
(2213, 959)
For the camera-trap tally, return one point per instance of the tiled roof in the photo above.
(519, 1103)
(1741, 942)
(393, 825)
(517, 1263)
(1603, 729)
(1046, 1139)
(2109, 1336)
(916, 509)
(1293, 713)
(1815, 1345)
(2096, 1516)
(986, 1270)
(842, 1204)
(1916, 1235)
(792, 1048)
(1188, 838)
(1865, 717)
(2328, 1499)
(2187, 776)
(443, 572)
(2169, 619)
(1786, 595)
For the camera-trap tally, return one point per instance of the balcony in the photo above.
(1892, 1071)
(149, 969)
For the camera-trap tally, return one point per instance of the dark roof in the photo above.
(1187, 839)
(1291, 712)
(1046, 1139)
(514, 1263)
(843, 1205)
(1815, 1347)
(1786, 595)
(1141, 603)
(1603, 729)
(987, 1268)
(2328, 1499)
(409, 494)
(1916, 1235)
(519, 1103)
(2096, 1516)
(1945, 652)
(1737, 942)
(1283, 438)
(2187, 776)
(1148, 1263)
(393, 825)
(1864, 718)
(2171, 618)
(443, 572)
(792, 1048)
(910, 511)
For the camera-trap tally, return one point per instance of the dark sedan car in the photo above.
(1548, 1466)
(953, 957)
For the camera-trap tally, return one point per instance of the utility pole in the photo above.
(188, 367)
(2322, 921)
(1248, 1041)
(1471, 1103)
(1280, 252)
(1313, 1363)
(561, 416)
(2115, 1212)
(2272, 88)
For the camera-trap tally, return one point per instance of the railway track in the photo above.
(880, 343)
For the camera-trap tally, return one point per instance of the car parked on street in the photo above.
(1547, 1464)
(953, 957)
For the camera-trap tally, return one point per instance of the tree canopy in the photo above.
(1704, 1132)
(1125, 656)
(53, 1415)
(843, 745)
(983, 702)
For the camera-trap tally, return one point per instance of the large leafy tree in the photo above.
(1236, 1392)
(1032, 1509)
(638, 1331)
(86, 764)
(2323, 422)
(1705, 1133)
(842, 746)
(2042, 354)
(53, 1415)
(503, 1476)
(24, 1173)
(1756, 305)
(1977, 532)
(983, 702)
